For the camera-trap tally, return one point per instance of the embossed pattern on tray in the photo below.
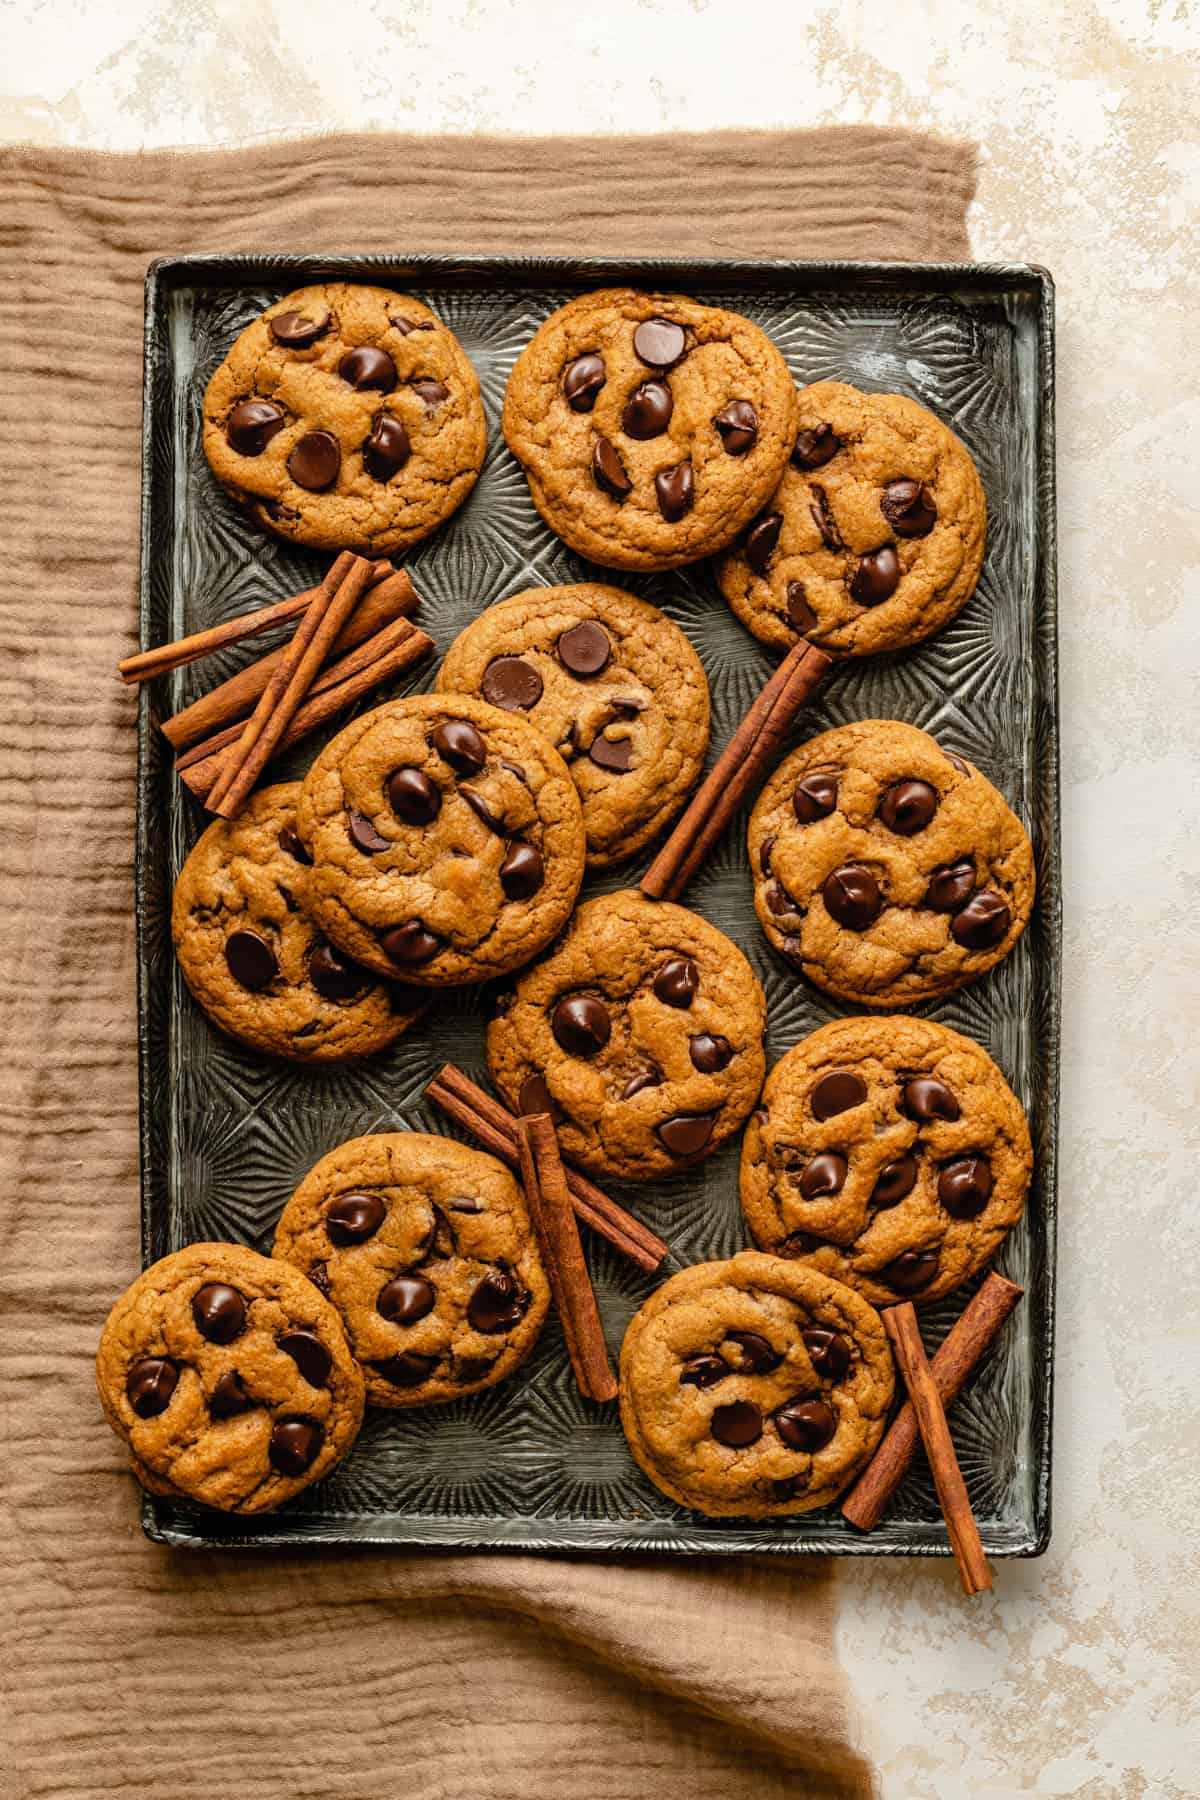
(227, 1134)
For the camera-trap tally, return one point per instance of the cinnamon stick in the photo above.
(550, 1211)
(281, 698)
(496, 1129)
(165, 657)
(740, 766)
(382, 602)
(971, 1337)
(902, 1328)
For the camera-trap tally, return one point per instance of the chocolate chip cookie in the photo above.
(425, 1248)
(650, 428)
(613, 683)
(229, 1378)
(874, 536)
(255, 959)
(890, 1153)
(641, 1033)
(346, 417)
(885, 869)
(447, 840)
(754, 1387)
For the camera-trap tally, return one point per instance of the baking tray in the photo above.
(226, 1134)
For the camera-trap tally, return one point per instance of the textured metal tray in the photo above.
(227, 1134)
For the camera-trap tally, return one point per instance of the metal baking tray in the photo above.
(227, 1134)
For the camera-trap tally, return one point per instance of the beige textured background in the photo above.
(1078, 1677)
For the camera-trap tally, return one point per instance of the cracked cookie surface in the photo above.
(650, 428)
(875, 535)
(613, 683)
(888, 1153)
(255, 959)
(641, 1032)
(446, 837)
(229, 1378)
(754, 1387)
(346, 417)
(885, 869)
(425, 1248)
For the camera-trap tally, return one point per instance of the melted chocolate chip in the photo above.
(925, 1098)
(675, 491)
(816, 447)
(951, 886)
(613, 754)
(909, 508)
(365, 367)
(703, 1371)
(755, 1356)
(387, 449)
(911, 1272)
(806, 1425)
(585, 649)
(315, 460)
(738, 426)
(803, 1243)
(413, 797)
(738, 1424)
(483, 811)
(498, 1303)
(777, 899)
(522, 872)
(956, 762)
(636, 1083)
(764, 855)
(219, 1312)
(894, 1181)
(353, 1218)
(463, 1205)
(837, 1092)
(405, 326)
(581, 1025)
(229, 1396)
(535, 1096)
(761, 539)
(309, 1354)
(983, 922)
(908, 807)
(251, 426)
(814, 797)
(407, 1370)
(828, 1352)
(648, 410)
(432, 394)
(319, 1276)
(824, 1173)
(677, 982)
(965, 1186)
(852, 896)
(876, 577)
(150, 1384)
(582, 381)
(251, 960)
(710, 1054)
(410, 943)
(364, 836)
(295, 1445)
(823, 519)
(659, 343)
(458, 743)
(333, 975)
(512, 683)
(296, 331)
(687, 1133)
(290, 843)
(800, 614)
(608, 470)
(406, 1299)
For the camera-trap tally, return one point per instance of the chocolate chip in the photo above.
(687, 1133)
(410, 943)
(823, 1174)
(463, 1205)
(229, 1396)
(956, 762)
(613, 754)
(803, 1243)
(387, 449)
(737, 1424)
(251, 960)
(432, 393)
(609, 471)
(756, 1355)
(458, 743)
(675, 490)
(498, 1303)
(800, 614)
(296, 331)
(319, 1276)
(710, 1054)
(219, 1312)
(836, 1093)
(364, 836)
(894, 1181)
(295, 1445)
(648, 410)
(777, 899)
(333, 975)
(405, 326)
(522, 872)
(908, 807)
(910, 1272)
(983, 922)
(876, 577)
(407, 1370)
(703, 1371)
(816, 447)
(585, 649)
(659, 343)
(828, 1352)
(951, 886)
(965, 1186)
(289, 842)
(315, 461)
(535, 1096)
(738, 426)
(472, 1368)
(814, 797)
(512, 683)
(413, 797)
(483, 811)
(406, 1299)
(925, 1098)
(353, 1218)
(764, 855)
(761, 539)
(909, 508)
(289, 899)
(636, 1083)
(366, 367)
(150, 1384)
(677, 982)
(783, 1491)
(852, 896)
(581, 1025)
(806, 1425)
(251, 426)
(582, 381)
(823, 519)
(309, 1354)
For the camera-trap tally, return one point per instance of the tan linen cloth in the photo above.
(344, 1676)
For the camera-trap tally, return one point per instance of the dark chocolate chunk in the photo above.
(755, 1356)
(410, 943)
(353, 1218)
(219, 1312)
(659, 343)
(581, 1025)
(814, 797)
(876, 577)
(852, 897)
(366, 367)
(908, 807)
(951, 886)
(677, 982)
(406, 1299)
(296, 330)
(965, 1186)
(909, 508)
(737, 1424)
(911, 1272)
(738, 426)
(675, 490)
(432, 393)
(483, 811)
(582, 381)
(636, 1083)
(535, 1096)
(498, 1303)
(585, 649)
(823, 1174)
(407, 1370)
(983, 922)
(837, 1092)
(761, 539)
(458, 743)
(295, 1445)
(229, 1396)
(251, 426)
(309, 1354)
(816, 447)
(613, 754)
(512, 683)
(648, 410)
(387, 449)
(609, 471)
(288, 841)
(703, 1371)
(364, 836)
(405, 326)
(150, 1384)
(925, 1098)
(413, 797)
(894, 1181)
(335, 976)
(315, 460)
(687, 1133)
(778, 900)
(828, 1352)
(251, 960)
(523, 871)
(823, 519)
(806, 1425)
(800, 614)
(710, 1054)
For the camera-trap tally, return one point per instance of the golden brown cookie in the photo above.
(346, 417)
(229, 1378)
(254, 957)
(613, 683)
(889, 1153)
(874, 536)
(641, 1031)
(885, 869)
(425, 1248)
(650, 428)
(754, 1387)
(447, 840)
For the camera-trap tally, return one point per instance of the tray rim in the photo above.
(572, 1537)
